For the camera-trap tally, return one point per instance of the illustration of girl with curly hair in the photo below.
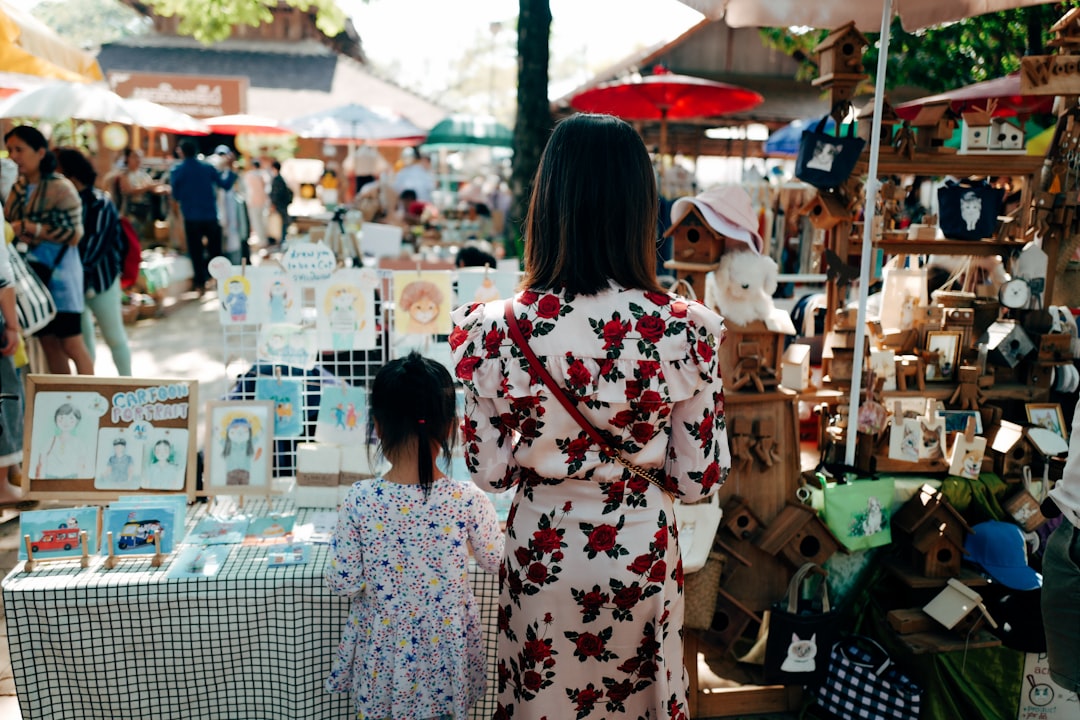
(420, 307)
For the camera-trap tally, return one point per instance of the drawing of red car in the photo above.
(63, 538)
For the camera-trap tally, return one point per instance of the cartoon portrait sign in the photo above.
(346, 311)
(238, 447)
(422, 303)
(91, 438)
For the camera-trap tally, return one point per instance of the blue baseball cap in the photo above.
(999, 548)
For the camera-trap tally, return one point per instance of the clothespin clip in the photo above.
(969, 431)
(277, 374)
(487, 269)
(243, 267)
(418, 267)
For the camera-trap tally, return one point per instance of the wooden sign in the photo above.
(91, 439)
(1050, 75)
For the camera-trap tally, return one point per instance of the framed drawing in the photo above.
(92, 438)
(1049, 416)
(942, 351)
(140, 529)
(239, 447)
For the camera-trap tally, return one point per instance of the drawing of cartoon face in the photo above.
(239, 431)
(235, 288)
(824, 155)
(162, 450)
(277, 342)
(277, 289)
(66, 421)
(424, 311)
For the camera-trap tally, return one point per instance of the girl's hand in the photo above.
(10, 342)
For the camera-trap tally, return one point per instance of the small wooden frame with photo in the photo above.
(112, 559)
(239, 449)
(1049, 416)
(31, 562)
(941, 355)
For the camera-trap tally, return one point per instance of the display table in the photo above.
(249, 643)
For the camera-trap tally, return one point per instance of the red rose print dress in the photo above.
(591, 606)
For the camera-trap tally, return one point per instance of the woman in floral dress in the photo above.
(591, 606)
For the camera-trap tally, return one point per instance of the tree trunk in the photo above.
(533, 122)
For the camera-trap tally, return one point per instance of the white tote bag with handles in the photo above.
(698, 523)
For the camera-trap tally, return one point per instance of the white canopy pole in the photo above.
(870, 207)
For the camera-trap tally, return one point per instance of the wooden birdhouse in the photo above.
(799, 536)
(934, 124)
(730, 620)
(1066, 32)
(889, 121)
(825, 210)
(739, 519)
(959, 608)
(975, 128)
(1009, 451)
(840, 57)
(1006, 343)
(695, 249)
(1006, 134)
(795, 367)
(934, 532)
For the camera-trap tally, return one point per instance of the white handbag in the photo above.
(698, 523)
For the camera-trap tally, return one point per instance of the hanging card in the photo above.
(237, 302)
(287, 344)
(484, 285)
(342, 418)
(286, 394)
(422, 303)
(346, 311)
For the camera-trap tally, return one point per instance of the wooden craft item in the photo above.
(765, 442)
(155, 560)
(739, 519)
(967, 453)
(742, 441)
(967, 395)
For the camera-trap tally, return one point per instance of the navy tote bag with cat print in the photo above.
(802, 630)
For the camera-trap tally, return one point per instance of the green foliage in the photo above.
(91, 23)
(210, 21)
(940, 58)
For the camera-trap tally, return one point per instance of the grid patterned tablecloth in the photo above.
(249, 643)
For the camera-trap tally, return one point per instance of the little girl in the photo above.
(412, 645)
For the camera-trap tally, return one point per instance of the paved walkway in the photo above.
(186, 343)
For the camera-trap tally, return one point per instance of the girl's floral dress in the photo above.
(412, 646)
(591, 606)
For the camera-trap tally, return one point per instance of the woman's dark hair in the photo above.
(472, 256)
(413, 397)
(33, 137)
(592, 213)
(74, 165)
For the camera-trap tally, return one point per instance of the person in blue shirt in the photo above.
(194, 188)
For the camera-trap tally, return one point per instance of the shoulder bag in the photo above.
(34, 304)
(652, 475)
(862, 682)
(826, 161)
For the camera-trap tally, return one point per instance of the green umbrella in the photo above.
(461, 130)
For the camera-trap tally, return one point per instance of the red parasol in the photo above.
(252, 124)
(1000, 95)
(665, 96)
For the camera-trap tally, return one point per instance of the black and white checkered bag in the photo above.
(863, 684)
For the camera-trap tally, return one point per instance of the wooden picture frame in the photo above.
(1049, 416)
(947, 344)
(239, 448)
(74, 424)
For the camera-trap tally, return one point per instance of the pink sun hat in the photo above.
(728, 210)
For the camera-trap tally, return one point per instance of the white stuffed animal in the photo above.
(741, 289)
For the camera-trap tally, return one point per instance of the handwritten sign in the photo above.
(309, 263)
(1040, 697)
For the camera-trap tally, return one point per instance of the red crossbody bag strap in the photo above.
(541, 372)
